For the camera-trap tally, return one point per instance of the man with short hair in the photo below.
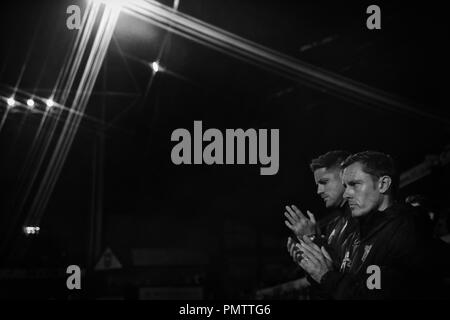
(327, 175)
(332, 228)
(384, 252)
(327, 170)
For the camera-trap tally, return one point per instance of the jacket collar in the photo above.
(374, 221)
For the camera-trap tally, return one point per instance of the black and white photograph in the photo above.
(224, 150)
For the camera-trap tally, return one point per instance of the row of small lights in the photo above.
(11, 102)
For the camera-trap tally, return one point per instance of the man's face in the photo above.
(329, 186)
(361, 191)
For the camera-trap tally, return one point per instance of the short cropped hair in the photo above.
(331, 159)
(377, 164)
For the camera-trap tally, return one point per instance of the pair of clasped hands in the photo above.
(309, 256)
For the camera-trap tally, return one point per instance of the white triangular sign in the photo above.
(108, 261)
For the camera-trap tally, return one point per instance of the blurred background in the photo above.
(87, 116)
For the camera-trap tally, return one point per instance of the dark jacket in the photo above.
(332, 231)
(336, 229)
(390, 239)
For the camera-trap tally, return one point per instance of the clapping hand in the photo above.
(299, 223)
(315, 261)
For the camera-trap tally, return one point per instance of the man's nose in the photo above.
(319, 189)
(346, 193)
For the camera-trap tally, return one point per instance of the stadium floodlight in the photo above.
(50, 103)
(11, 102)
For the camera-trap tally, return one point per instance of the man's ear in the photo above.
(384, 183)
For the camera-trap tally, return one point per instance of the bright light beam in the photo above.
(116, 4)
(291, 68)
(65, 81)
(87, 81)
